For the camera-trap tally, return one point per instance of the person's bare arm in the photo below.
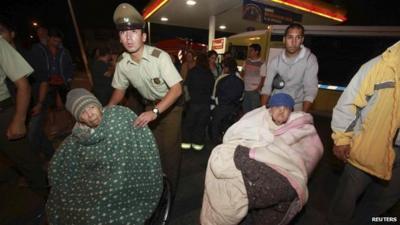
(264, 99)
(169, 99)
(342, 152)
(17, 128)
(261, 84)
(116, 97)
(307, 106)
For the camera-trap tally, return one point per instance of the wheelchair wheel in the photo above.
(161, 213)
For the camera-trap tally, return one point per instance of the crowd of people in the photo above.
(109, 170)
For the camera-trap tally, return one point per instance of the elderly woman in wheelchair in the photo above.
(259, 174)
(107, 171)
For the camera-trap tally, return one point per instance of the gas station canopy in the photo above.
(237, 16)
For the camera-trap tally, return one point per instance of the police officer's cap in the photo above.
(126, 17)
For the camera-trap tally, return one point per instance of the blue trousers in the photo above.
(360, 196)
(37, 137)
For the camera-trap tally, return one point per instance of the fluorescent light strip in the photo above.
(331, 87)
(152, 10)
(340, 19)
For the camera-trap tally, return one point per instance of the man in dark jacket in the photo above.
(102, 75)
(55, 61)
(227, 96)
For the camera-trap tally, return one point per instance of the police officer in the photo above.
(151, 71)
(13, 142)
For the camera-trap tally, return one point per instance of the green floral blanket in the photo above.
(107, 175)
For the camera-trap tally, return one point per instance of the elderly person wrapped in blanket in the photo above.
(107, 171)
(259, 174)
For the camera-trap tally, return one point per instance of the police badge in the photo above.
(156, 80)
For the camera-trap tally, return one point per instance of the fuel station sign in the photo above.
(219, 45)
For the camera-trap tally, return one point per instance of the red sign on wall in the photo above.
(219, 45)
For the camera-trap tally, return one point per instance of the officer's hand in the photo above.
(16, 130)
(144, 119)
(342, 152)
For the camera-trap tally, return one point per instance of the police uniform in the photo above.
(152, 76)
(14, 67)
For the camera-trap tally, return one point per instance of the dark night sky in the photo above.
(93, 13)
(98, 13)
(55, 13)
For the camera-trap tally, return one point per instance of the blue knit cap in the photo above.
(281, 99)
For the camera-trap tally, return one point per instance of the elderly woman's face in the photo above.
(280, 114)
(91, 116)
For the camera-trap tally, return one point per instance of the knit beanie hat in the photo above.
(281, 99)
(78, 99)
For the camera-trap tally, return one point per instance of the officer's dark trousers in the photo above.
(195, 122)
(221, 120)
(27, 162)
(359, 196)
(167, 131)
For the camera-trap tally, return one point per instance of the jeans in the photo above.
(360, 196)
(61, 90)
(37, 137)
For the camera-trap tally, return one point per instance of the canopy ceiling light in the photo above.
(190, 2)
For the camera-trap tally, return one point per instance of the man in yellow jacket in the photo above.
(365, 124)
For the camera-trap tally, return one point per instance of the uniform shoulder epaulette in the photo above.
(156, 53)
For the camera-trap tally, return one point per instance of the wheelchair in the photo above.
(162, 212)
(160, 216)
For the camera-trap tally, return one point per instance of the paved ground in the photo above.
(18, 205)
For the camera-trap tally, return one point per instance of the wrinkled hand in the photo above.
(36, 109)
(144, 119)
(342, 152)
(16, 130)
